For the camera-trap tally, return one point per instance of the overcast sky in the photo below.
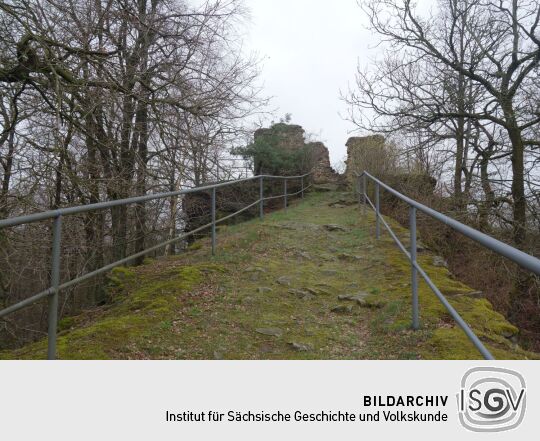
(310, 51)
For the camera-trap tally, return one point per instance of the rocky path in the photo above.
(309, 283)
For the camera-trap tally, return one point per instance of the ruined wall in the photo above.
(291, 137)
(366, 153)
(371, 153)
(196, 207)
(322, 170)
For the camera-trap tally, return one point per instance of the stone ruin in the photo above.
(322, 170)
(291, 137)
(196, 206)
(371, 153)
(365, 153)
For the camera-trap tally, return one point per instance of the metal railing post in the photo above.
(55, 283)
(285, 193)
(261, 196)
(364, 191)
(358, 192)
(302, 188)
(414, 272)
(213, 221)
(377, 212)
(52, 292)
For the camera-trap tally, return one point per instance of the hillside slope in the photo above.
(277, 290)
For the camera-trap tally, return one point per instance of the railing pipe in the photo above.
(357, 190)
(377, 213)
(49, 291)
(261, 198)
(52, 292)
(364, 193)
(461, 323)
(55, 283)
(414, 274)
(302, 187)
(285, 194)
(214, 221)
(35, 217)
(506, 250)
(521, 258)
(455, 315)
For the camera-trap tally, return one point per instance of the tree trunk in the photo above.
(518, 188)
(140, 211)
(94, 220)
(170, 249)
(458, 166)
(488, 203)
(522, 278)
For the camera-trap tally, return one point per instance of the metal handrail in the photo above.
(523, 259)
(53, 291)
(42, 215)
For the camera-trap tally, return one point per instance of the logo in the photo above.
(491, 399)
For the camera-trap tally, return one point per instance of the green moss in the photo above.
(197, 245)
(480, 313)
(120, 275)
(66, 323)
(441, 338)
(213, 267)
(120, 330)
(162, 294)
(453, 344)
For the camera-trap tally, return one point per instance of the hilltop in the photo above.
(308, 283)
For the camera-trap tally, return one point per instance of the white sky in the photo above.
(310, 51)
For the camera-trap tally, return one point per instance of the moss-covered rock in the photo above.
(148, 298)
(119, 276)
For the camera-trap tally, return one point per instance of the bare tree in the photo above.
(107, 99)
